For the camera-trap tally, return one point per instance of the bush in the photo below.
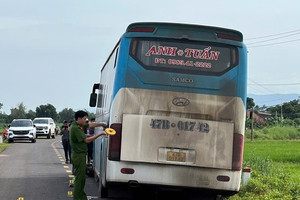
(275, 133)
(268, 181)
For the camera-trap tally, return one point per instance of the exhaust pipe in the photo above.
(133, 184)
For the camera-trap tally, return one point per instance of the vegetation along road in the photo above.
(275, 167)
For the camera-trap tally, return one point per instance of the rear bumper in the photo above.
(42, 133)
(173, 176)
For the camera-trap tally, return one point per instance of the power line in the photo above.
(262, 86)
(270, 44)
(274, 38)
(276, 84)
(266, 36)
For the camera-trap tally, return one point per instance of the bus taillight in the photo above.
(142, 29)
(229, 37)
(237, 154)
(114, 151)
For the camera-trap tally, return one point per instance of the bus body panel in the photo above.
(201, 106)
(177, 141)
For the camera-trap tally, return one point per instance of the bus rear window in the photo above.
(182, 56)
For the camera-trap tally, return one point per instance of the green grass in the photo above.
(3, 146)
(275, 170)
(278, 151)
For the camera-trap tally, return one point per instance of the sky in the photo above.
(51, 51)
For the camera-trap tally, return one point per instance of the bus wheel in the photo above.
(103, 191)
(96, 177)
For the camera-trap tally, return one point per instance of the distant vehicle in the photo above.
(176, 96)
(45, 126)
(22, 129)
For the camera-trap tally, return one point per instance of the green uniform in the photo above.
(79, 150)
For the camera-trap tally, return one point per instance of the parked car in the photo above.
(45, 126)
(22, 129)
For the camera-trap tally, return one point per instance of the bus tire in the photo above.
(96, 177)
(103, 191)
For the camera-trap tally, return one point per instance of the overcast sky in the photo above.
(51, 51)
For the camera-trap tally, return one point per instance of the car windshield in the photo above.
(40, 121)
(21, 123)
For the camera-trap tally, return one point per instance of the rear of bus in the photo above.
(178, 106)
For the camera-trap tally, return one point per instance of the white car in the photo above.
(22, 129)
(45, 126)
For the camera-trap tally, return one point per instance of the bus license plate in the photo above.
(176, 156)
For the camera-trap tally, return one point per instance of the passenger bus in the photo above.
(176, 96)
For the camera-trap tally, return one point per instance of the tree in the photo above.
(67, 114)
(4, 118)
(46, 111)
(31, 114)
(18, 113)
(250, 103)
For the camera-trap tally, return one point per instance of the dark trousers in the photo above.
(90, 151)
(79, 162)
(67, 149)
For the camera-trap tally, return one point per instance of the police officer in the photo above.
(79, 141)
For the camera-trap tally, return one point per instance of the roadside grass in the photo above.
(3, 146)
(275, 170)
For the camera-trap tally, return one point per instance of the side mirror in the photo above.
(93, 96)
(93, 100)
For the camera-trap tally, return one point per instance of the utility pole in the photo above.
(252, 120)
(281, 113)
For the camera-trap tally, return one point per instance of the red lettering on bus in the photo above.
(162, 50)
(152, 50)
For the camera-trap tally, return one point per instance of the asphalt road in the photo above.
(35, 171)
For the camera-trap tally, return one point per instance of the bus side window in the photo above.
(116, 58)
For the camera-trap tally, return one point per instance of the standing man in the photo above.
(90, 132)
(66, 140)
(79, 141)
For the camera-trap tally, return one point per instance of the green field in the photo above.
(275, 170)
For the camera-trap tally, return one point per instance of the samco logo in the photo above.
(182, 80)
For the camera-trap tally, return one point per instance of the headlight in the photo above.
(46, 127)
